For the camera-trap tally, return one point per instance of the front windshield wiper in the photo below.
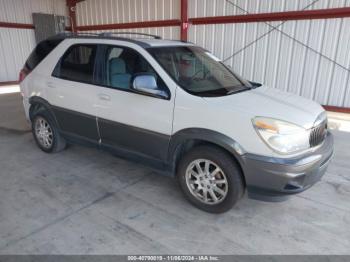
(238, 89)
(221, 91)
(255, 84)
(211, 93)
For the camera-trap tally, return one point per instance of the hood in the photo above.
(271, 102)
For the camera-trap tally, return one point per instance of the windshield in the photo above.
(198, 72)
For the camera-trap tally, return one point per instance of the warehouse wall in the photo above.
(169, 32)
(16, 44)
(205, 8)
(308, 57)
(97, 12)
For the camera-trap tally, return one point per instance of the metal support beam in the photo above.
(16, 25)
(337, 109)
(72, 6)
(184, 20)
(133, 25)
(279, 16)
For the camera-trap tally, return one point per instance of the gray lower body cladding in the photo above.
(280, 176)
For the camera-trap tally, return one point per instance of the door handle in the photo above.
(51, 85)
(104, 97)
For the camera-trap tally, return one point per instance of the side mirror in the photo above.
(147, 84)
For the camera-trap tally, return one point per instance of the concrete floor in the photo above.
(83, 201)
(11, 111)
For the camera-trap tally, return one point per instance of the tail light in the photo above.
(23, 74)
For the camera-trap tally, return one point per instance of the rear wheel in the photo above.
(210, 179)
(46, 134)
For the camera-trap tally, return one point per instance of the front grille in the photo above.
(318, 134)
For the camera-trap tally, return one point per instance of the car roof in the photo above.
(154, 41)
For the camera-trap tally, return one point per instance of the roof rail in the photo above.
(70, 34)
(77, 34)
(128, 33)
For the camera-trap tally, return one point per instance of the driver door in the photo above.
(128, 120)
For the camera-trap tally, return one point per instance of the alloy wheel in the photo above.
(206, 181)
(43, 132)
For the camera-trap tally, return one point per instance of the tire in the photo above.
(227, 177)
(55, 142)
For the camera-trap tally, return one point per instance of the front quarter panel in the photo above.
(195, 112)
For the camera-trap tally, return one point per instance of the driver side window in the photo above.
(122, 65)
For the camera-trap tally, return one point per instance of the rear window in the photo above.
(77, 63)
(40, 52)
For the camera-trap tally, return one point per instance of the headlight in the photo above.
(281, 136)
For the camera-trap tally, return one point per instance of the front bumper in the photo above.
(282, 176)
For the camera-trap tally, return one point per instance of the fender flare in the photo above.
(36, 100)
(206, 135)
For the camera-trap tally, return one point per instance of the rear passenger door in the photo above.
(128, 120)
(72, 93)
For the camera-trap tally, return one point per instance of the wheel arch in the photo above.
(184, 140)
(37, 104)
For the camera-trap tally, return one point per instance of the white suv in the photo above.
(178, 108)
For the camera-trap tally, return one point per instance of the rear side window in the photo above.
(40, 52)
(77, 64)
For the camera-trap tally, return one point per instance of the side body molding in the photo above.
(70, 123)
(182, 137)
(175, 145)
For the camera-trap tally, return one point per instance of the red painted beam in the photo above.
(184, 20)
(23, 26)
(16, 25)
(161, 23)
(279, 16)
(337, 109)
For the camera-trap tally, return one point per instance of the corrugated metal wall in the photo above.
(96, 12)
(16, 44)
(169, 32)
(20, 11)
(308, 57)
(205, 8)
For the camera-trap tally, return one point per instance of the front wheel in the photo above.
(210, 179)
